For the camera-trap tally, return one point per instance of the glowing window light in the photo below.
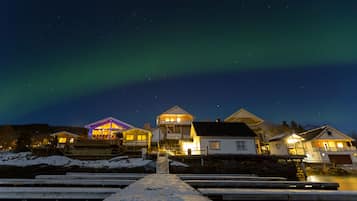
(62, 140)
(141, 137)
(167, 119)
(129, 137)
(178, 119)
(71, 140)
(339, 144)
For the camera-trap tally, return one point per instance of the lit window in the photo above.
(142, 137)
(71, 140)
(339, 144)
(129, 137)
(172, 119)
(215, 145)
(167, 119)
(241, 146)
(62, 140)
(178, 119)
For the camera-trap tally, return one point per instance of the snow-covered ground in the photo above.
(24, 159)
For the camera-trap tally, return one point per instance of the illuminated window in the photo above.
(129, 137)
(215, 145)
(62, 140)
(71, 140)
(241, 146)
(142, 137)
(178, 119)
(167, 119)
(172, 119)
(339, 144)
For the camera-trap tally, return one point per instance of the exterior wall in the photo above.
(228, 145)
(312, 156)
(192, 146)
(136, 138)
(278, 148)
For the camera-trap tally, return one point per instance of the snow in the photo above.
(158, 187)
(24, 159)
(176, 163)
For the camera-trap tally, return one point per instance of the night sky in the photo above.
(67, 62)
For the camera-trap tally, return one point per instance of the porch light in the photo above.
(178, 119)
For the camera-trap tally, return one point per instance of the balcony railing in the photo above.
(175, 122)
(334, 149)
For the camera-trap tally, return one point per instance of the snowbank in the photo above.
(24, 159)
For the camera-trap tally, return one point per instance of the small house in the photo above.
(324, 144)
(210, 138)
(106, 129)
(328, 145)
(64, 138)
(136, 138)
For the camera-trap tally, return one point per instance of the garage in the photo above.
(340, 158)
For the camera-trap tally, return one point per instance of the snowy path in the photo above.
(162, 165)
(158, 187)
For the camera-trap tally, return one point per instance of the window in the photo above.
(129, 137)
(142, 137)
(340, 145)
(215, 145)
(241, 146)
(62, 140)
(71, 140)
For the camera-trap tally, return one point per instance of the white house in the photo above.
(286, 144)
(173, 125)
(209, 138)
(257, 124)
(328, 145)
(320, 145)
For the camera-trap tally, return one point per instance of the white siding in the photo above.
(278, 148)
(228, 145)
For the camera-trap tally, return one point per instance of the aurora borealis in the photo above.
(73, 62)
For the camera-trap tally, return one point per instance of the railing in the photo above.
(176, 122)
(334, 149)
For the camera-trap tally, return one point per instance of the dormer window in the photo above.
(329, 133)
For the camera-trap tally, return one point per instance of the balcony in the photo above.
(334, 149)
(162, 122)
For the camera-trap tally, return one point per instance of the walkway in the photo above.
(161, 186)
(158, 187)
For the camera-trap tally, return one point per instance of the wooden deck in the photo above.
(277, 194)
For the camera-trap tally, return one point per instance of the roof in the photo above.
(243, 114)
(312, 133)
(232, 129)
(316, 132)
(278, 137)
(109, 119)
(176, 110)
(66, 133)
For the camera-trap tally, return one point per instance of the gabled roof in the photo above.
(317, 132)
(278, 137)
(107, 120)
(284, 136)
(66, 133)
(242, 114)
(222, 129)
(176, 110)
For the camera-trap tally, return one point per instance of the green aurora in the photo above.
(292, 37)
